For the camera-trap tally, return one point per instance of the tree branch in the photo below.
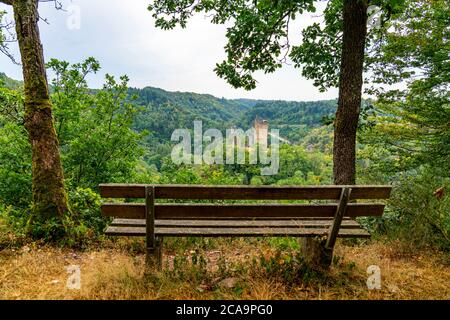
(8, 2)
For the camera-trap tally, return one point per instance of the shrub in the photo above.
(13, 220)
(15, 168)
(288, 266)
(85, 205)
(83, 224)
(418, 211)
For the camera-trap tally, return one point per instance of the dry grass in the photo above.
(116, 271)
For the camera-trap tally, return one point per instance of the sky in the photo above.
(122, 36)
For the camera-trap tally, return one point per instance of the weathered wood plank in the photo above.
(201, 211)
(305, 223)
(235, 232)
(239, 192)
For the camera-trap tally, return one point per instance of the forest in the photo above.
(400, 115)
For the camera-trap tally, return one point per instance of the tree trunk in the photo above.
(315, 253)
(350, 86)
(346, 123)
(49, 196)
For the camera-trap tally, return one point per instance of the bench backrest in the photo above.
(241, 210)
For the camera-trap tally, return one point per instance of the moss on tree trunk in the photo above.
(49, 196)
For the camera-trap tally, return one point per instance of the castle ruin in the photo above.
(261, 130)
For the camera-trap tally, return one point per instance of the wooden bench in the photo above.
(155, 220)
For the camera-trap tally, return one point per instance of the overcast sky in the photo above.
(122, 36)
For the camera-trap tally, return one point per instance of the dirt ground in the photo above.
(117, 271)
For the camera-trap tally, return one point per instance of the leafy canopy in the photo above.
(412, 121)
(94, 127)
(258, 37)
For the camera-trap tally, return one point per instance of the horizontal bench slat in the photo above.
(239, 192)
(234, 232)
(305, 223)
(204, 211)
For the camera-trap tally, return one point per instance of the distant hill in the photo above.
(161, 112)
(286, 113)
(293, 119)
(8, 82)
(164, 111)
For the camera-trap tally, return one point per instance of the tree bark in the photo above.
(315, 253)
(49, 196)
(350, 86)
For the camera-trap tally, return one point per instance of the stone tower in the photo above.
(261, 130)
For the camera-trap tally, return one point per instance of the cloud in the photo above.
(122, 36)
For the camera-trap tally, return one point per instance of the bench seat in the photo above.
(309, 227)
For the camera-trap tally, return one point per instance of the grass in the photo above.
(202, 268)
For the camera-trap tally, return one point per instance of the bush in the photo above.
(15, 168)
(418, 211)
(82, 225)
(85, 223)
(13, 220)
(85, 205)
(12, 227)
(288, 266)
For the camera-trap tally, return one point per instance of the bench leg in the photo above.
(154, 255)
(316, 254)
